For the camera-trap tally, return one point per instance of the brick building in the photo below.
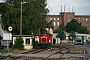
(66, 17)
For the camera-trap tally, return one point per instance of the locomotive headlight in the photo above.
(43, 39)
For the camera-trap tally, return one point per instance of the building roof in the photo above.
(23, 35)
(53, 15)
(82, 15)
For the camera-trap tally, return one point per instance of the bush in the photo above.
(6, 50)
(19, 43)
(11, 44)
(87, 41)
(34, 43)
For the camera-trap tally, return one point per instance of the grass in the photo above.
(7, 50)
(11, 50)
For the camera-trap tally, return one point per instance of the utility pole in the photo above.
(21, 19)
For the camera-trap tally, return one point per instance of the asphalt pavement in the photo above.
(50, 56)
(86, 46)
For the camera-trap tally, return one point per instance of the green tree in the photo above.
(72, 35)
(19, 43)
(60, 32)
(75, 26)
(10, 17)
(34, 43)
(33, 16)
(84, 30)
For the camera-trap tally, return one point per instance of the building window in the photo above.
(57, 18)
(27, 41)
(78, 18)
(50, 19)
(54, 23)
(79, 22)
(54, 18)
(57, 23)
(75, 18)
(86, 19)
(68, 20)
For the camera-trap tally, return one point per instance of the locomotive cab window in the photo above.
(27, 41)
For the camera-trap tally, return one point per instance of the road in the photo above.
(50, 56)
(87, 47)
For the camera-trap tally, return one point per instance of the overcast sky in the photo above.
(1, 0)
(80, 7)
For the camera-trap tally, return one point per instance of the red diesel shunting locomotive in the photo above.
(45, 40)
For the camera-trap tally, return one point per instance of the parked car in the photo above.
(79, 40)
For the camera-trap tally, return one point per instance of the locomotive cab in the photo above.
(45, 40)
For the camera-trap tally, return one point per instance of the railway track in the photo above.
(36, 51)
(63, 50)
(27, 51)
(32, 51)
(55, 50)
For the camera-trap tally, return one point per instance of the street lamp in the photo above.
(21, 18)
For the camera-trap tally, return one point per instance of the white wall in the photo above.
(26, 46)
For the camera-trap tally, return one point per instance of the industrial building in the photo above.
(65, 17)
